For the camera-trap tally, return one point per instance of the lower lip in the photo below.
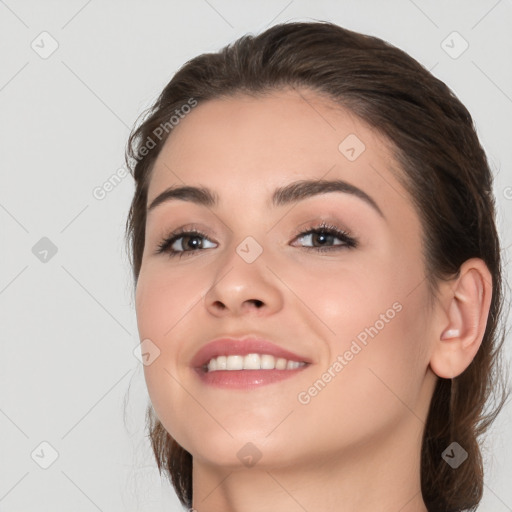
(245, 379)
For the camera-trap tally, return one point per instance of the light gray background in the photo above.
(68, 326)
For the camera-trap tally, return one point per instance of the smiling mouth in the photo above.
(251, 362)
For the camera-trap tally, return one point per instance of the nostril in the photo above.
(253, 303)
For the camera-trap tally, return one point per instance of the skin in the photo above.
(356, 444)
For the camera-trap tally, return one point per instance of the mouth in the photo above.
(245, 363)
(251, 362)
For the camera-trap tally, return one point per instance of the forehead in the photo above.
(245, 145)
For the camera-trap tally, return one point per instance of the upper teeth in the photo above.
(252, 362)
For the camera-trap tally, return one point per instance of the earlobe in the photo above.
(465, 307)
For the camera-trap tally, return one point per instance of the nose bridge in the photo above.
(242, 279)
(248, 229)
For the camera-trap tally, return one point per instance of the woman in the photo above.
(318, 278)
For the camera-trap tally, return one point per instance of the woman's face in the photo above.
(355, 309)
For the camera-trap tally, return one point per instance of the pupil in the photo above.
(322, 236)
(193, 242)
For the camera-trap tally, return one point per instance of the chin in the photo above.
(242, 452)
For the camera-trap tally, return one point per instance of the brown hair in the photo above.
(444, 169)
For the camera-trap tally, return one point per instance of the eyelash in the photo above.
(349, 242)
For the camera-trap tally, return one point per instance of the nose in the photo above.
(241, 288)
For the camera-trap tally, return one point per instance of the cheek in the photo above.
(160, 305)
(339, 299)
(374, 324)
(162, 300)
(373, 380)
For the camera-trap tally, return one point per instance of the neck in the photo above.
(380, 475)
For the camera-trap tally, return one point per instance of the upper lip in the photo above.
(228, 345)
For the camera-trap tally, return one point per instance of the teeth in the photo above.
(252, 362)
(281, 364)
(267, 362)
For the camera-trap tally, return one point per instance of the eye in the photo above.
(181, 241)
(322, 238)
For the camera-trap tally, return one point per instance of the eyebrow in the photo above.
(291, 193)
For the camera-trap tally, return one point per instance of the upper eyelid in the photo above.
(322, 226)
(299, 232)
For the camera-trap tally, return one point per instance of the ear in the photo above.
(466, 303)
